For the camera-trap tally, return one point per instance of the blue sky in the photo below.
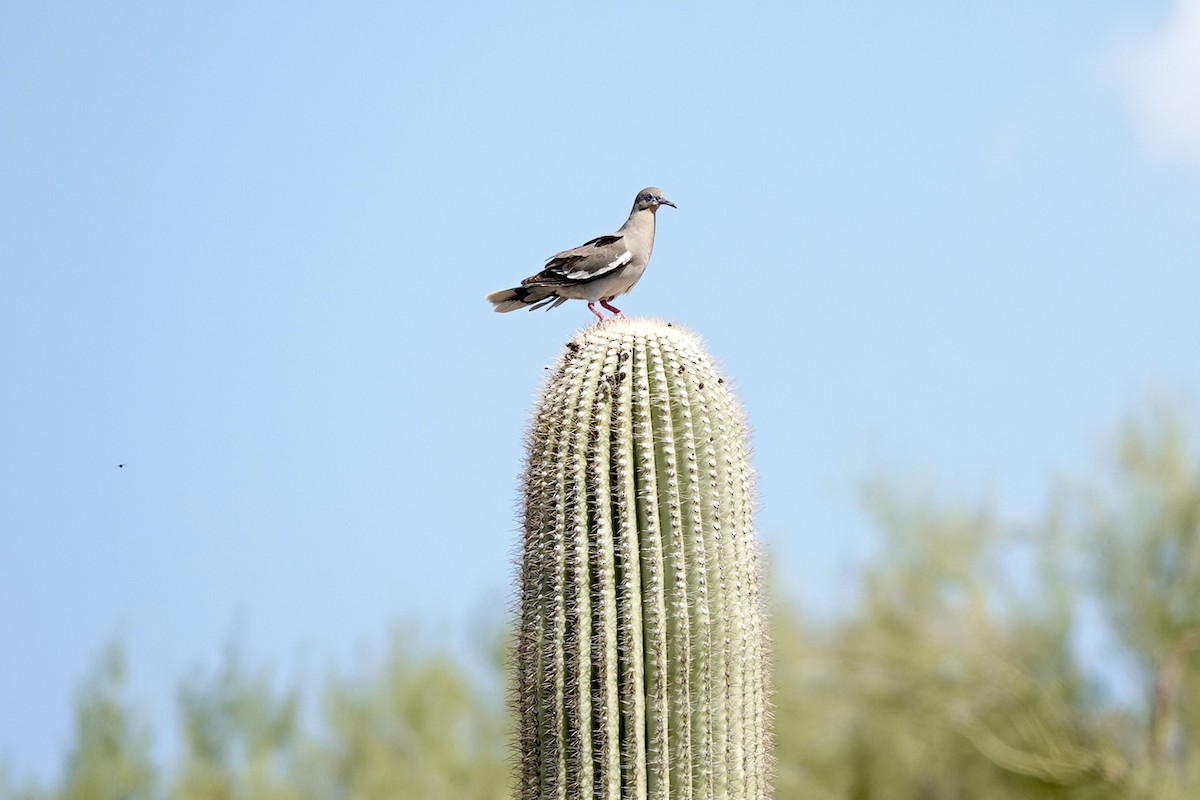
(244, 250)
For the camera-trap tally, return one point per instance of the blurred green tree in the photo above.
(952, 677)
(239, 735)
(420, 728)
(1143, 532)
(951, 674)
(110, 759)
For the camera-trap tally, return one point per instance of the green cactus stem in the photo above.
(641, 657)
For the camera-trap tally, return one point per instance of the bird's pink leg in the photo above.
(592, 308)
(616, 311)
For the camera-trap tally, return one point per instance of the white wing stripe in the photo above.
(587, 274)
(621, 260)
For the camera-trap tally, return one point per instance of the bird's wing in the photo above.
(603, 255)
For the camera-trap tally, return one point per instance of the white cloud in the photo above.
(1160, 76)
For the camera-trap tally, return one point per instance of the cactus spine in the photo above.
(641, 652)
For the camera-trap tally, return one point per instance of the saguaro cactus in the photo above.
(641, 654)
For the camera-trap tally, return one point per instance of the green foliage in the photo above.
(419, 728)
(1146, 531)
(953, 678)
(952, 675)
(415, 726)
(110, 759)
(240, 738)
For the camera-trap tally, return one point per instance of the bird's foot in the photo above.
(592, 308)
(616, 311)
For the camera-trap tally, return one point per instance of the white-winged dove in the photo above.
(596, 271)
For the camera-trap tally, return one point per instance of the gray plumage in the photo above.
(596, 271)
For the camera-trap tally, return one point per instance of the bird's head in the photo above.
(650, 199)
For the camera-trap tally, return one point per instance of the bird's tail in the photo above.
(530, 297)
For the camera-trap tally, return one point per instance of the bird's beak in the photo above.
(662, 201)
